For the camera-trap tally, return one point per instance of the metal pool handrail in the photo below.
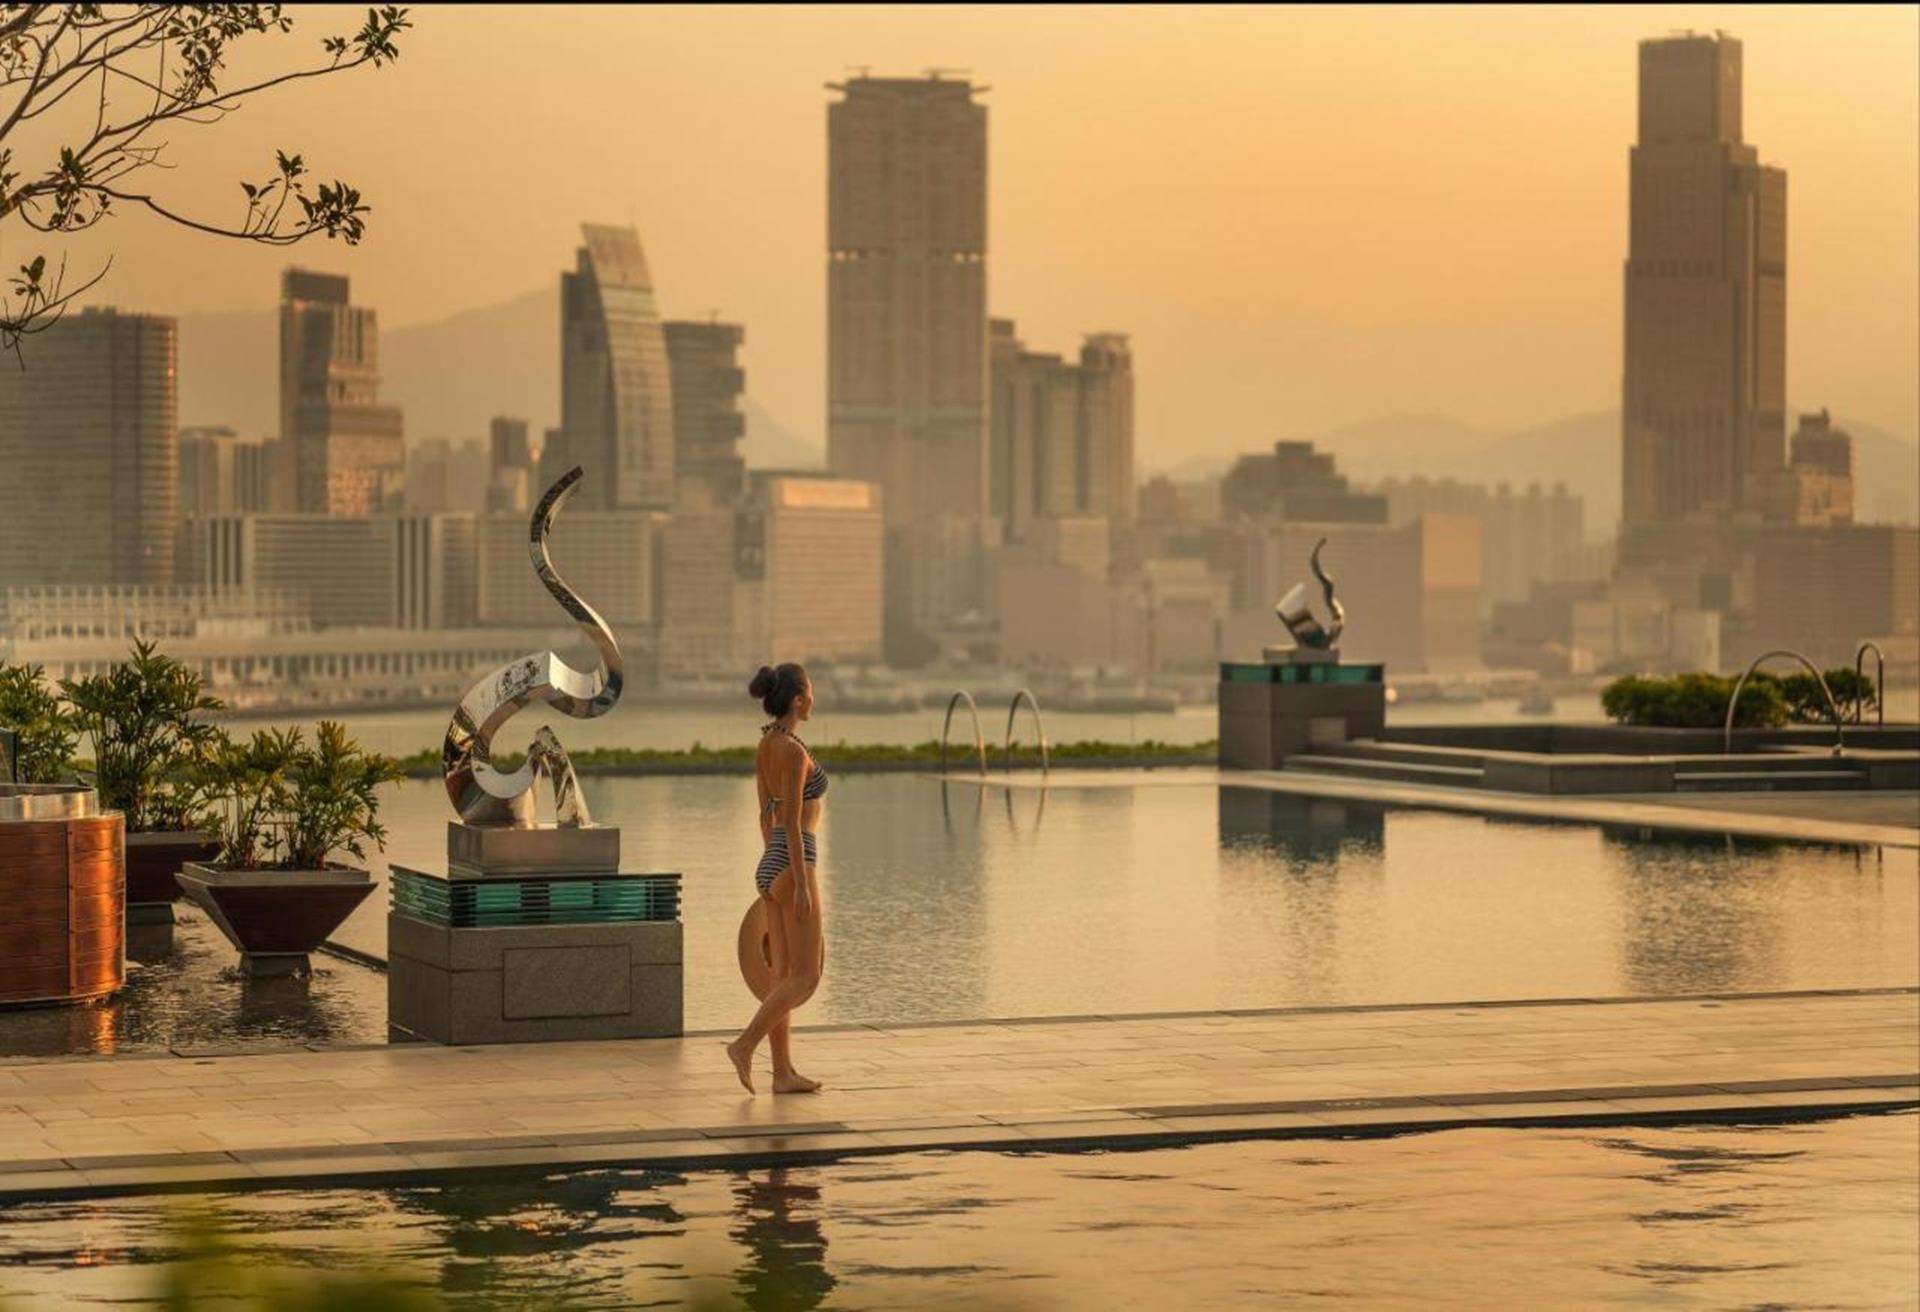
(1879, 682)
(979, 738)
(1039, 728)
(1839, 730)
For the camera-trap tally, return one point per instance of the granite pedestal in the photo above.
(1293, 702)
(533, 935)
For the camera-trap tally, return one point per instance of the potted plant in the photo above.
(283, 808)
(145, 718)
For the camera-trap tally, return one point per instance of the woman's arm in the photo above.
(761, 791)
(793, 803)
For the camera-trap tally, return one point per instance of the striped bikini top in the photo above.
(816, 785)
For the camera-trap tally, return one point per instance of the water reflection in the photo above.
(185, 989)
(1307, 831)
(783, 1250)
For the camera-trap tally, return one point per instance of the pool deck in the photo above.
(211, 1119)
(1882, 818)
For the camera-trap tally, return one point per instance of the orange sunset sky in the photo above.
(1304, 217)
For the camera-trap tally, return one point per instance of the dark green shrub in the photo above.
(45, 735)
(1699, 700)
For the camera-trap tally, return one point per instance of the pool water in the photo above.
(954, 901)
(1801, 1215)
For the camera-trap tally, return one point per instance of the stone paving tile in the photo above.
(1064, 1081)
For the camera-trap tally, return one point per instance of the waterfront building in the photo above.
(704, 360)
(1703, 391)
(616, 391)
(1821, 590)
(343, 452)
(698, 566)
(606, 556)
(1816, 488)
(808, 569)
(88, 443)
(223, 473)
(1529, 537)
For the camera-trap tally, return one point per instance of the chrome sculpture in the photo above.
(1295, 613)
(483, 795)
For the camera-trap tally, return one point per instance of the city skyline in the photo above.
(1299, 341)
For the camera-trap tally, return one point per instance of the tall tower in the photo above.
(616, 395)
(87, 440)
(1703, 406)
(907, 333)
(707, 421)
(341, 452)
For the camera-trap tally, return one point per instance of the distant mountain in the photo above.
(1582, 451)
(450, 375)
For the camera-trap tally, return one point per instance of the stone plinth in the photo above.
(1274, 710)
(533, 935)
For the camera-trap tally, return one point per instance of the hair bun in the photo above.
(762, 683)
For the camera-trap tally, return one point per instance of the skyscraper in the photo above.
(1703, 413)
(87, 443)
(342, 452)
(704, 359)
(907, 337)
(907, 292)
(1106, 423)
(616, 395)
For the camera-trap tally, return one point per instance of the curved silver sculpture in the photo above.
(1298, 616)
(483, 795)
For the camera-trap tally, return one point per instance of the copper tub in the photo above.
(63, 872)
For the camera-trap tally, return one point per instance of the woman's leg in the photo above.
(780, 1037)
(802, 941)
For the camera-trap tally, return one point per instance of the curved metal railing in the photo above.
(1839, 729)
(979, 738)
(1879, 682)
(1039, 729)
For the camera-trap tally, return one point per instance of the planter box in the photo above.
(62, 935)
(153, 859)
(275, 917)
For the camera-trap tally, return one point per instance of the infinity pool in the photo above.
(1809, 1215)
(950, 901)
(956, 901)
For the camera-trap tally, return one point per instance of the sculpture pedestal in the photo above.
(1289, 706)
(532, 936)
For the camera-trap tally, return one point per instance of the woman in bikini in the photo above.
(791, 788)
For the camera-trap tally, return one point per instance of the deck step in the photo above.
(1768, 781)
(1752, 763)
(1451, 776)
(1372, 749)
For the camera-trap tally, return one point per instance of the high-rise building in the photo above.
(704, 359)
(445, 477)
(616, 394)
(1703, 397)
(907, 338)
(88, 445)
(342, 451)
(608, 557)
(907, 292)
(510, 465)
(223, 473)
(1061, 437)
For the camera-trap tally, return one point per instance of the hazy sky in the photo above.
(1304, 217)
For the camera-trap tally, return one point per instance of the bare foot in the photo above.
(742, 1063)
(794, 1082)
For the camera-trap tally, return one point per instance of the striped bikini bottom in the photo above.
(774, 859)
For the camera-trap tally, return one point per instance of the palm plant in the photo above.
(281, 803)
(151, 742)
